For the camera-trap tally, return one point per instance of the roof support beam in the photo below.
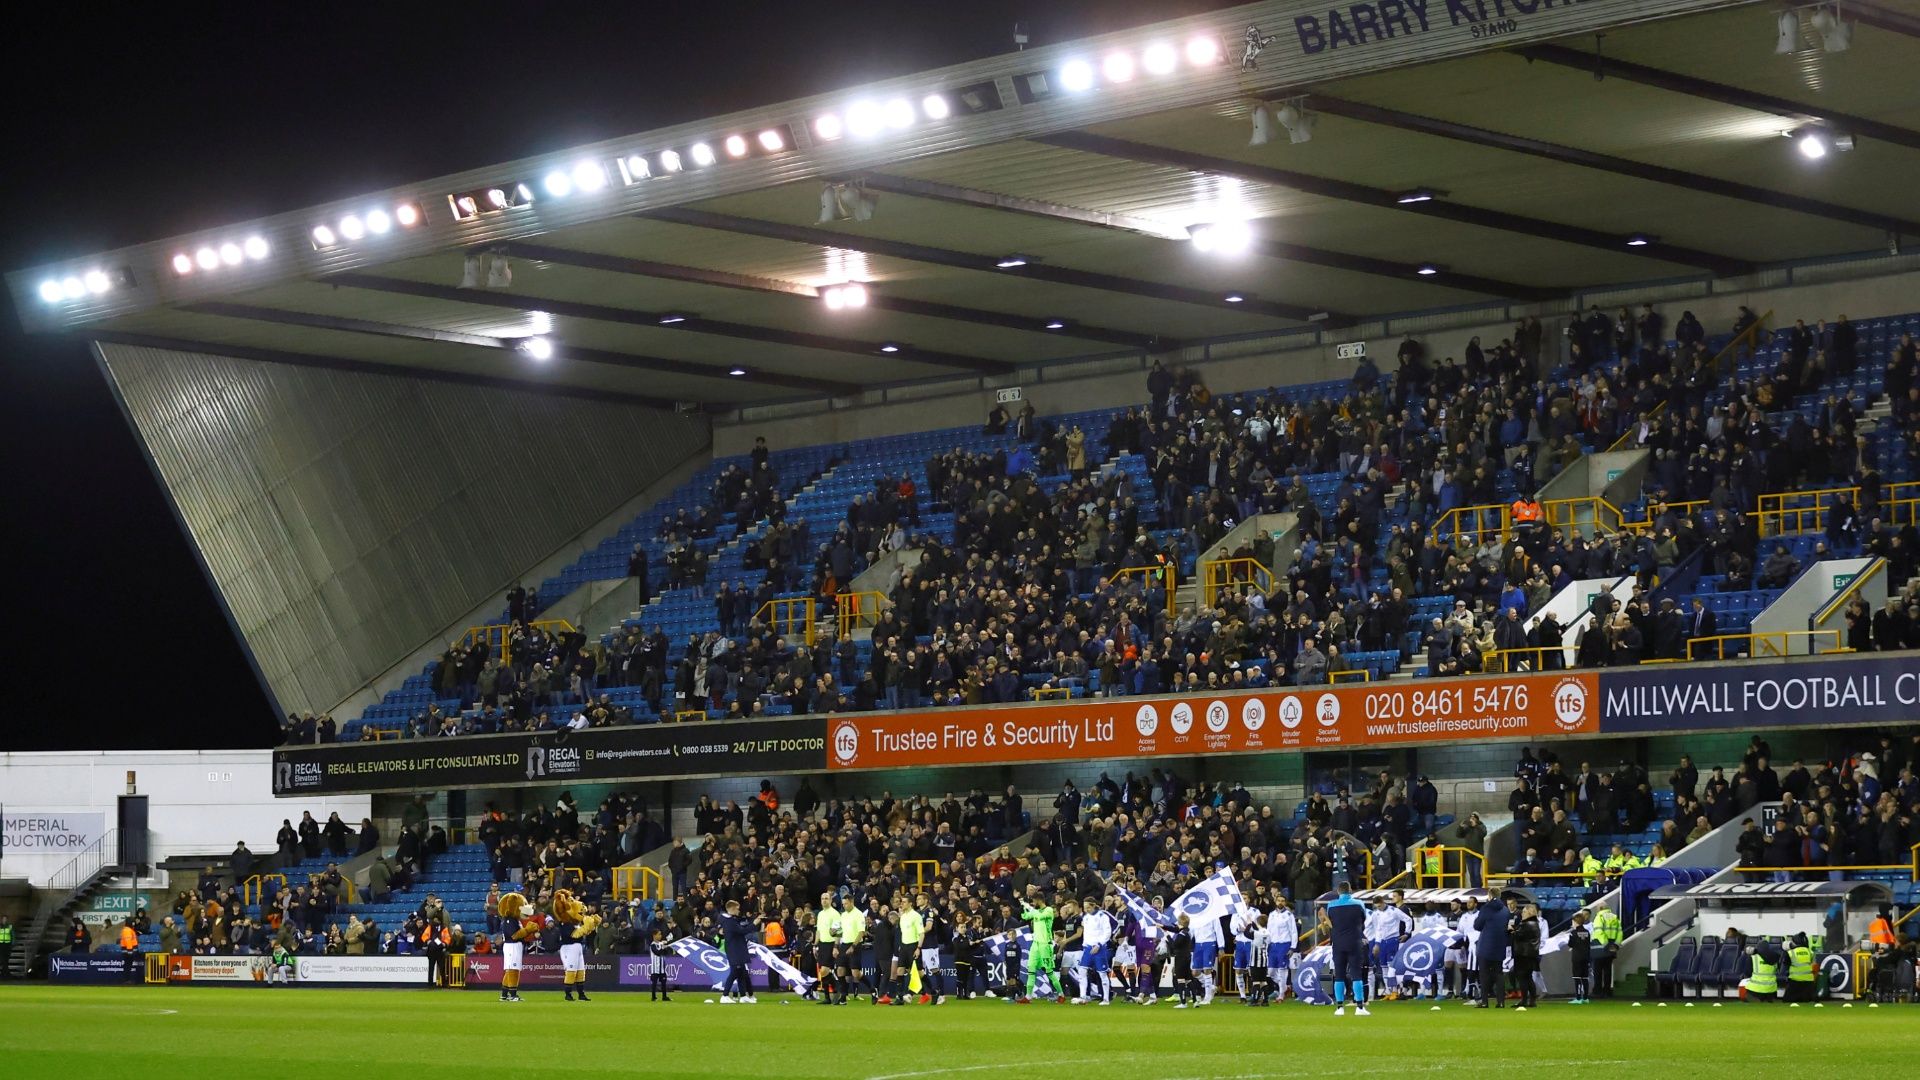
(876, 300)
(1388, 200)
(1573, 155)
(371, 367)
(660, 364)
(1896, 22)
(1056, 275)
(1336, 260)
(652, 320)
(1727, 95)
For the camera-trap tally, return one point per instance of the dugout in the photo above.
(1705, 957)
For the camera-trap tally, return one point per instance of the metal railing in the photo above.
(1219, 574)
(920, 871)
(1350, 675)
(1763, 643)
(498, 637)
(857, 611)
(1501, 661)
(1476, 523)
(789, 617)
(254, 887)
(1164, 573)
(100, 854)
(1834, 606)
(638, 883)
(1785, 513)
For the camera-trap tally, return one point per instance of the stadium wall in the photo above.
(1287, 359)
(345, 517)
(199, 802)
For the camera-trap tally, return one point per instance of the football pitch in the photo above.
(74, 1033)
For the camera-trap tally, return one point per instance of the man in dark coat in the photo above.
(1490, 951)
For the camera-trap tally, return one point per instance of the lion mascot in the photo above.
(521, 924)
(582, 924)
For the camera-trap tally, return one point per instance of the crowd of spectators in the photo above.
(1023, 602)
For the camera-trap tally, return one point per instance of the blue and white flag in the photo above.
(787, 972)
(705, 957)
(1143, 912)
(1424, 953)
(1213, 899)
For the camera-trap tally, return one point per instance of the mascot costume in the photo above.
(522, 924)
(580, 925)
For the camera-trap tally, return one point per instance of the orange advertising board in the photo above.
(1322, 718)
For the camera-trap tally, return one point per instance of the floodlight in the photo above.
(1076, 75)
(255, 247)
(736, 146)
(50, 291)
(206, 258)
(864, 119)
(589, 176)
(1008, 262)
(935, 107)
(1056, 324)
(1202, 51)
(828, 127)
(1812, 144)
(669, 161)
(772, 141)
(1159, 59)
(352, 227)
(1117, 67)
(701, 153)
(1221, 237)
(1639, 240)
(73, 288)
(889, 347)
(407, 214)
(538, 347)
(1427, 270)
(1234, 298)
(1417, 195)
(898, 114)
(230, 253)
(183, 263)
(378, 221)
(558, 184)
(672, 318)
(736, 371)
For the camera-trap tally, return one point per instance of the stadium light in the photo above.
(672, 318)
(845, 297)
(255, 247)
(1789, 39)
(1428, 269)
(633, 169)
(230, 253)
(72, 288)
(1055, 324)
(736, 371)
(1221, 237)
(1076, 76)
(407, 214)
(1117, 67)
(1836, 34)
(96, 281)
(1639, 240)
(1159, 59)
(864, 120)
(669, 161)
(589, 177)
(182, 264)
(772, 141)
(1812, 144)
(539, 348)
(846, 201)
(50, 291)
(1203, 51)
(898, 114)
(378, 222)
(1008, 262)
(558, 184)
(1417, 195)
(701, 153)
(1234, 298)
(827, 127)
(935, 107)
(889, 347)
(352, 227)
(735, 146)
(206, 258)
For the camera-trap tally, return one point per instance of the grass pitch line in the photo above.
(950, 1070)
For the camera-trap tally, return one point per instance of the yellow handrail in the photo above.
(1501, 660)
(632, 882)
(690, 714)
(857, 611)
(1775, 641)
(496, 636)
(789, 616)
(550, 872)
(1565, 513)
(1473, 521)
(1351, 675)
(252, 888)
(1847, 593)
(920, 870)
(1219, 574)
(1441, 876)
(1164, 571)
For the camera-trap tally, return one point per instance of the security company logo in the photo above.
(1147, 721)
(1327, 710)
(1569, 704)
(1290, 712)
(1217, 716)
(846, 742)
(1253, 714)
(1182, 718)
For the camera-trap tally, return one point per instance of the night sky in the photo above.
(132, 131)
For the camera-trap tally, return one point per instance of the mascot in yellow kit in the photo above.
(581, 925)
(522, 924)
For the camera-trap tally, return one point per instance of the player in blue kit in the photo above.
(1346, 922)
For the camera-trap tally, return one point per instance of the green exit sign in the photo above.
(1841, 581)
(1614, 474)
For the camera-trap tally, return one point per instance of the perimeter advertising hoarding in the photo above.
(1857, 688)
(1325, 718)
(639, 752)
(361, 970)
(94, 968)
(225, 969)
(540, 970)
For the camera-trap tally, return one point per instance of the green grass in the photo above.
(75, 1033)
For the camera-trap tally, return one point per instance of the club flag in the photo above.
(705, 957)
(1142, 912)
(788, 973)
(1555, 943)
(1213, 899)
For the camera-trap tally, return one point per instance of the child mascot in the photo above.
(522, 924)
(580, 924)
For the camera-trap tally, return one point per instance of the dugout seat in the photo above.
(1680, 970)
(1726, 974)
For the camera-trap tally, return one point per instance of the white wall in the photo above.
(198, 801)
(1115, 382)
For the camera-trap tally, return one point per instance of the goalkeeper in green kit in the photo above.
(1040, 956)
